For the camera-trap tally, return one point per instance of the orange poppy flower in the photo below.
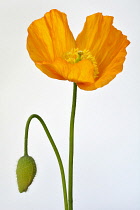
(91, 61)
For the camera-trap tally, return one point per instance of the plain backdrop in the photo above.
(107, 135)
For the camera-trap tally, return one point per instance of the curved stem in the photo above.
(55, 151)
(71, 149)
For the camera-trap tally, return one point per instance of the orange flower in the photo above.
(91, 61)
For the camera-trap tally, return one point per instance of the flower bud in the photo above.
(26, 171)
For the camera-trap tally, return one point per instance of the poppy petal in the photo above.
(94, 33)
(106, 43)
(113, 50)
(49, 70)
(49, 37)
(112, 69)
(81, 72)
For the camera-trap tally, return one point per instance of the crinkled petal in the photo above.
(113, 50)
(81, 72)
(49, 70)
(49, 37)
(86, 85)
(106, 43)
(94, 33)
(112, 69)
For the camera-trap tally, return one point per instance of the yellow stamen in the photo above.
(76, 55)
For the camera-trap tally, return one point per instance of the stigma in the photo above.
(76, 55)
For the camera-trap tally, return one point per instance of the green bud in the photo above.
(26, 171)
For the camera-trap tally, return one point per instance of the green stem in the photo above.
(55, 151)
(71, 149)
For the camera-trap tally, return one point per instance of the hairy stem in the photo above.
(71, 149)
(55, 151)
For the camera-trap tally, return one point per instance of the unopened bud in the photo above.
(26, 171)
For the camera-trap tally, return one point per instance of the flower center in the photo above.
(76, 55)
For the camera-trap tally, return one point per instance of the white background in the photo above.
(107, 136)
